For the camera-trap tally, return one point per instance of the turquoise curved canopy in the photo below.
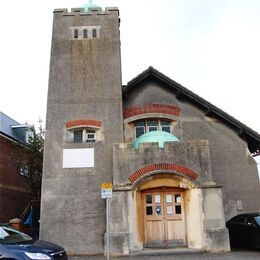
(155, 137)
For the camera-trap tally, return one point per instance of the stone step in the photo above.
(168, 251)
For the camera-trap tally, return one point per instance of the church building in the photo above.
(180, 167)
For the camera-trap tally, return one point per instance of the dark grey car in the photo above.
(16, 245)
(244, 230)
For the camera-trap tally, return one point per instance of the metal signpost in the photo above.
(106, 193)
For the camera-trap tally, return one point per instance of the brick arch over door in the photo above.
(164, 167)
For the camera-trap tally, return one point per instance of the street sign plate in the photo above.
(106, 190)
(106, 193)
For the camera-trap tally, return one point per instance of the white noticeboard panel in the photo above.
(78, 158)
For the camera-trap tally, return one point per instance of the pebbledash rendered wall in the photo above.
(232, 164)
(85, 89)
(84, 83)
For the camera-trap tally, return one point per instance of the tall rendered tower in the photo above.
(84, 120)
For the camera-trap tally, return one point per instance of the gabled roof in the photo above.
(251, 136)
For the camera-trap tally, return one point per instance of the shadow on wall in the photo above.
(257, 159)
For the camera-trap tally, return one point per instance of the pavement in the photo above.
(236, 254)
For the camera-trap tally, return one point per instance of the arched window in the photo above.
(83, 131)
(152, 124)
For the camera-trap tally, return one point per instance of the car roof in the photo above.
(250, 214)
(254, 214)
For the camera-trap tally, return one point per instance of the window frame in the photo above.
(147, 127)
(88, 139)
(76, 33)
(84, 135)
(24, 169)
(85, 33)
(94, 33)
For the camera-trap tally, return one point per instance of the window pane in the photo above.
(78, 136)
(139, 130)
(169, 210)
(139, 123)
(85, 33)
(152, 128)
(149, 210)
(177, 198)
(90, 136)
(250, 221)
(24, 170)
(257, 219)
(240, 220)
(148, 198)
(152, 123)
(178, 209)
(76, 33)
(158, 210)
(166, 129)
(94, 33)
(168, 198)
(164, 123)
(157, 198)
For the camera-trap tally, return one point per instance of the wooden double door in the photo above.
(164, 218)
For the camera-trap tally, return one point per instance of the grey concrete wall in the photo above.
(119, 222)
(148, 92)
(84, 83)
(231, 163)
(216, 233)
(193, 155)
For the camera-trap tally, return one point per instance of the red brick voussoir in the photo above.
(162, 167)
(153, 108)
(84, 122)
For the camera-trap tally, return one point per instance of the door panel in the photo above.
(175, 230)
(154, 233)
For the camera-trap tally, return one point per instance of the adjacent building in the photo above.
(14, 185)
(180, 167)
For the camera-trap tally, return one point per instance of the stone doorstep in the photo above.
(167, 251)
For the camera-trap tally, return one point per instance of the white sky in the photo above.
(211, 47)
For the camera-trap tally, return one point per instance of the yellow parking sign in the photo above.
(106, 186)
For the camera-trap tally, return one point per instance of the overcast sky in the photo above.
(211, 47)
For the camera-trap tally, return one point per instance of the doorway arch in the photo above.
(162, 205)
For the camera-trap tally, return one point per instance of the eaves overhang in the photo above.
(12, 139)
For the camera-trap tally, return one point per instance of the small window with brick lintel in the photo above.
(83, 131)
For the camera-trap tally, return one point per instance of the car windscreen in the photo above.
(10, 236)
(257, 219)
